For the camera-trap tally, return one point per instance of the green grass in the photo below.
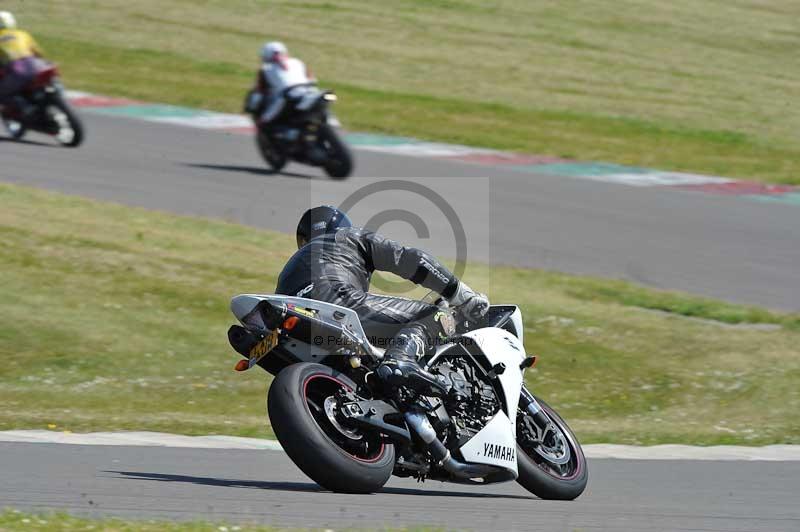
(635, 296)
(16, 520)
(115, 318)
(695, 85)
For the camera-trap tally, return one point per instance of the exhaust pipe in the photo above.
(422, 427)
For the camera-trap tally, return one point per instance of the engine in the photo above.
(471, 402)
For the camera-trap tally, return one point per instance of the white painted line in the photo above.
(425, 149)
(246, 443)
(209, 121)
(783, 453)
(73, 95)
(654, 179)
(148, 439)
(626, 452)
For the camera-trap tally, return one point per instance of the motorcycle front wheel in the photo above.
(339, 164)
(271, 154)
(551, 462)
(303, 410)
(70, 128)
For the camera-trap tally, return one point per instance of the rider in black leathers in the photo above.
(334, 263)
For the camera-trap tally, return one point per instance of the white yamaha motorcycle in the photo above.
(335, 421)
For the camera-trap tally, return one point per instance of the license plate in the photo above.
(263, 347)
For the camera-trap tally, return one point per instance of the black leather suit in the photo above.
(337, 268)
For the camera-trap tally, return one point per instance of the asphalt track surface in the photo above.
(725, 247)
(265, 487)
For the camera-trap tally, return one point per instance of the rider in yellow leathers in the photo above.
(19, 56)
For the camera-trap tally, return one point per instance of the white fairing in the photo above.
(497, 440)
(495, 444)
(243, 305)
(516, 319)
(502, 346)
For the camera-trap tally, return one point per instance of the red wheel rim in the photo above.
(381, 450)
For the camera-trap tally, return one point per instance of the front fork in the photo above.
(528, 403)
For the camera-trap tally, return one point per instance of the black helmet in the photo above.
(318, 221)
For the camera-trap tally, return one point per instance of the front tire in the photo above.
(539, 472)
(70, 128)
(269, 152)
(302, 414)
(339, 164)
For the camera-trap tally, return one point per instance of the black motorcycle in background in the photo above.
(47, 110)
(304, 132)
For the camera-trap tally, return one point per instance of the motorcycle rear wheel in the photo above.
(16, 130)
(541, 472)
(301, 406)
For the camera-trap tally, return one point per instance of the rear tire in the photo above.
(340, 161)
(16, 130)
(308, 437)
(271, 155)
(546, 481)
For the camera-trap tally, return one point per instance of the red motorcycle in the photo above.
(48, 111)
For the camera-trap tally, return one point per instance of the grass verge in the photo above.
(15, 520)
(114, 318)
(632, 295)
(692, 86)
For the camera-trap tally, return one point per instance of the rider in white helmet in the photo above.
(7, 20)
(18, 58)
(278, 74)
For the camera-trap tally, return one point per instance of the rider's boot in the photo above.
(400, 368)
